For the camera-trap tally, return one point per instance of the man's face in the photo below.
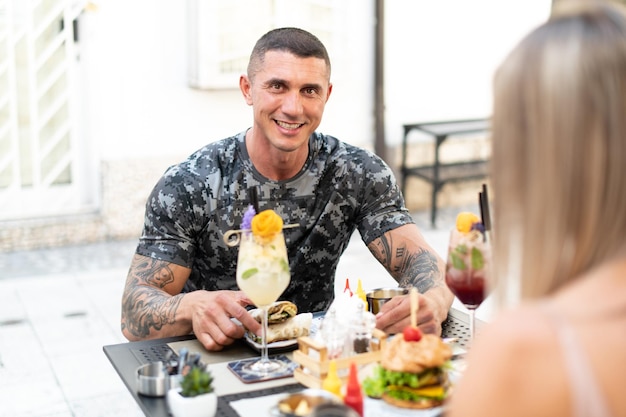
(288, 95)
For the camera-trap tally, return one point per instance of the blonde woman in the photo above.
(559, 179)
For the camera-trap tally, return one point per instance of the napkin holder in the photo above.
(313, 359)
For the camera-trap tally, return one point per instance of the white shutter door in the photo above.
(39, 145)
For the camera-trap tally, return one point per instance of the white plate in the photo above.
(274, 345)
(290, 344)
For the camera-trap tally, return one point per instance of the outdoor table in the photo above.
(127, 357)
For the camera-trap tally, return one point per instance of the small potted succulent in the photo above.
(195, 396)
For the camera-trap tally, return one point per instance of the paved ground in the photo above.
(58, 307)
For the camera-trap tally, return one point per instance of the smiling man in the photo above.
(182, 277)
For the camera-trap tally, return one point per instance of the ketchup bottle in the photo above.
(347, 288)
(354, 395)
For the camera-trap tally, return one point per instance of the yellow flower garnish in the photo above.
(465, 220)
(266, 224)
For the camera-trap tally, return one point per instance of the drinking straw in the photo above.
(481, 204)
(254, 198)
(485, 208)
(414, 306)
(483, 201)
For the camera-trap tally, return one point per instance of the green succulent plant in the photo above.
(197, 381)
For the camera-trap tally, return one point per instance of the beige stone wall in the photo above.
(125, 187)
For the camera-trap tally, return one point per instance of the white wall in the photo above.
(440, 56)
(138, 99)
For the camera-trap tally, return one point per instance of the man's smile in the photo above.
(286, 125)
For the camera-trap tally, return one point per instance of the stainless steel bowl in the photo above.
(333, 410)
(152, 380)
(376, 298)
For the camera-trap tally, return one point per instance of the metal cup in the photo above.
(376, 298)
(152, 380)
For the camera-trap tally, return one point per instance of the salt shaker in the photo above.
(333, 334)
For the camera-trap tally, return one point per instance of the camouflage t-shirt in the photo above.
(340, 188)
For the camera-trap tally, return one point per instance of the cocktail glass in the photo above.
(263, 275)
(467, 266)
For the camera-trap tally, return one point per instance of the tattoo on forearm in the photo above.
(144, 305)
(382, 251)
(419, 269)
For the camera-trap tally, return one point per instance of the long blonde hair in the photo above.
(559, 149)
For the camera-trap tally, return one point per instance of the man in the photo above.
(182, 277)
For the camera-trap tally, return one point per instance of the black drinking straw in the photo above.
(483, 202)
(485, 208)
(254, 198)
(482, 214)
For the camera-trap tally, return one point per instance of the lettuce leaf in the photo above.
(376, 384)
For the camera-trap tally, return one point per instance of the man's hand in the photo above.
(220, 317)
(395, 315)
(154, 307)
(413, 263)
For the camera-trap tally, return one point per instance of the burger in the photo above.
(284, 322)
(412, 372)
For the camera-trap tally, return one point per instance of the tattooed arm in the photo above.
(412, 262)
(153, 307)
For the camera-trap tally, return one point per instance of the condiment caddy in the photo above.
(314, 359)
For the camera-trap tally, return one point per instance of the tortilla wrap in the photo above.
(278, 312)
(293, 328)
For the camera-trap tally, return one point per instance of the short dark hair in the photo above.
(294, 40)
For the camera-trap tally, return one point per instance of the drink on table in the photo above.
(469, 257)
(263, 274)
(262, 269)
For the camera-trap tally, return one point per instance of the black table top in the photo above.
(127, 357)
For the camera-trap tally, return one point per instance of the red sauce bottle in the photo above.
(354, 395)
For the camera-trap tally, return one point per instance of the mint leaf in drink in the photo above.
(478, 262)
(249, 272)
(462, 249)
(457, 262)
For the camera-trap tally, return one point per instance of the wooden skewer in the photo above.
(414, 306)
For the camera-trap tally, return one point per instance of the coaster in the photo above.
(237, 367)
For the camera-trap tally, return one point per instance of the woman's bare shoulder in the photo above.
(513, 360)
(518, 338)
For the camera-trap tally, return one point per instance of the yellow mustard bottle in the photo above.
(361, 293)
(332, 383)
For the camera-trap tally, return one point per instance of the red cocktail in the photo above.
(470, 293)
(469, 257)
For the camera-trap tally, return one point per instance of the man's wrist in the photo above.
(443, 299)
